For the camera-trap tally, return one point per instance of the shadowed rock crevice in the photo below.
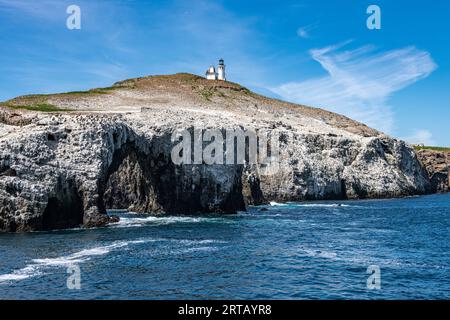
(151, 183)
(251, 188)
(128, 184)
(64, 208)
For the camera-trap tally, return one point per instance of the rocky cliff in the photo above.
(437, 165)
(111, 148)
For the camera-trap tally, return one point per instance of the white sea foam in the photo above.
(319, 205)
(196, 242)
(312, 205)
(83, 255)
(162, 220)
(13, 277)
(274, 204)
(38, 265)
(319, 253)
(21, 274)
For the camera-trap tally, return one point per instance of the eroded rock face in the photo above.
(437, 166)
(58, 163)
(62, 170)
(319, 167)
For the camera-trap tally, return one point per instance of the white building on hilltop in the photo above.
(211, 73)
(221, 71)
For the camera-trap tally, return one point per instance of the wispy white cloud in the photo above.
(421, 136)
(304, 31)
(360, 81)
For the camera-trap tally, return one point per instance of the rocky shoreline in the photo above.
(111, 148)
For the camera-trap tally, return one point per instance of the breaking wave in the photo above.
(38, 266)
(127, 221)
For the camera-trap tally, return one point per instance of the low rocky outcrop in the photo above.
(113, 150)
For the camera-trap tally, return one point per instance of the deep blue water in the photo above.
(294, 251)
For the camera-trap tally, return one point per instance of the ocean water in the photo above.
(314, 250)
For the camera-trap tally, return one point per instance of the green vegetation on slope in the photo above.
(43, 107)
(207, 93)
(105, 90)
(416, 147)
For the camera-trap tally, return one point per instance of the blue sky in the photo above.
(315, 52)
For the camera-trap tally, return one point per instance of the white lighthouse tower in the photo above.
(221, 71)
